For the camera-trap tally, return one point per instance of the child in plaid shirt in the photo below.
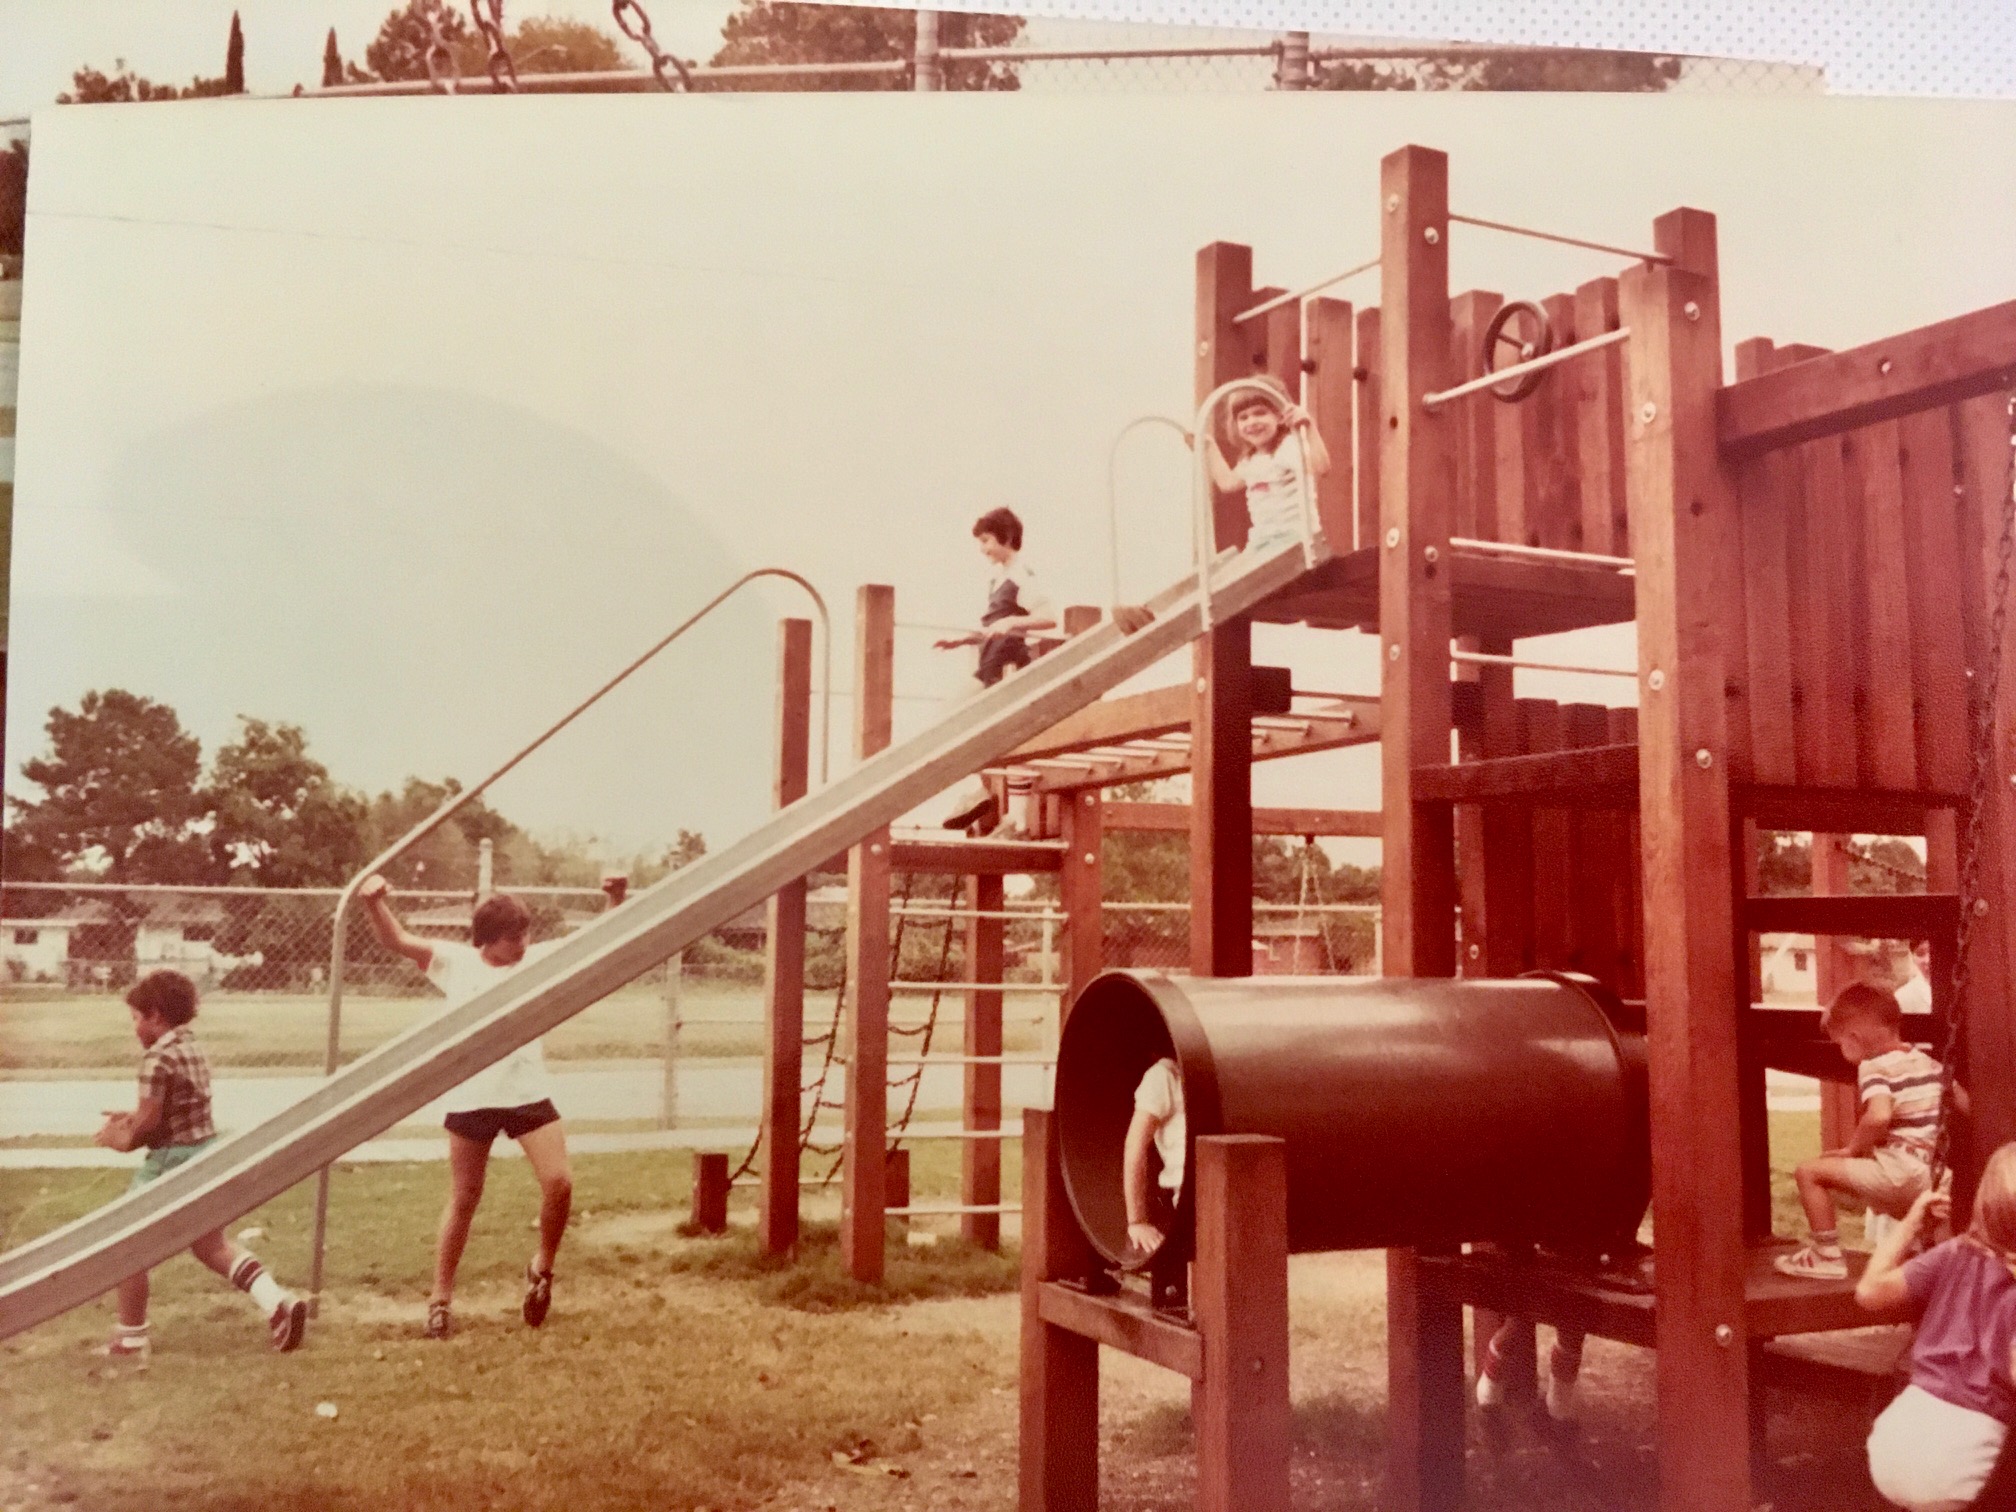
(172, 1123)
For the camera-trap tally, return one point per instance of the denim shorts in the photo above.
(162, 1159)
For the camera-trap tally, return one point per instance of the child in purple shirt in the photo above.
(1935, 1446)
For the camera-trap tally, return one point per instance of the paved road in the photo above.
(708, 1090)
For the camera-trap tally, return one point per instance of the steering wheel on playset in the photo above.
(1538, 342)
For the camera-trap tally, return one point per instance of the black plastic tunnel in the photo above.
(1415, 1112)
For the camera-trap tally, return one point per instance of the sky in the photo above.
(410, 421)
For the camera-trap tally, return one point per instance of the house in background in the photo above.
(38, 950)
(177, 933)
(1289, 947)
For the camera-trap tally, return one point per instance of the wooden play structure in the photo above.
(883, 1034)
(1815, 556)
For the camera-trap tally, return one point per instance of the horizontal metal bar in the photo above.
(968, 1136)
(1539, 553)
(1566, 241)
(1491, 659)
(1315, 288)
(950, 1209)
(975, 987)
(1520, 369)
(1012, 915)
(971, 1060)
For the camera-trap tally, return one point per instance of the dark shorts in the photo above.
(484, 1124)
(1001, 655)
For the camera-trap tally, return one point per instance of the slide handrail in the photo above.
(332, 1055)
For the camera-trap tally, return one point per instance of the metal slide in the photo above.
(71, 1266)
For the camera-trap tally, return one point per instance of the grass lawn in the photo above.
(43, 1033)
(679, 1374)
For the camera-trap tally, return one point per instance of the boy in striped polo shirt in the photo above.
(1887, 1161)
(172, 1122)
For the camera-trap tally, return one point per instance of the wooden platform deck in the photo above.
(1620, 1307)
(1492, 597)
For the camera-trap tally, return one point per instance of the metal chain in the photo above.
(635, 24)
(441, 70)
(1972, 905)
(489, 16)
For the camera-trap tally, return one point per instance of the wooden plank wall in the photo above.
(1560, 886)
(1548, 470)
(1855, 656)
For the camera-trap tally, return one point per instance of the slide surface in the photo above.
(74, 1264)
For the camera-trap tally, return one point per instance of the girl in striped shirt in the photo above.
(1886, 1163)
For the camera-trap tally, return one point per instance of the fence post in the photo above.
(668, 1097)
(486, 869)
(924, 60)
(1292, 71)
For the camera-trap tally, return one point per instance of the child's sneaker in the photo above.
(288, 1325)
(1563, 1396)
(128, 1344)
(538, 1296)
(1810, 1264)
(1490, 1395)
(440, 1321)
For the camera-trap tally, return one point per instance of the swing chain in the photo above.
(441, 70)
(1983, 775)
(635, 23)
(489, 16)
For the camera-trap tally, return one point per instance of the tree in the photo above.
(234, 58)
(1514, 69)
(548, 44)
(13, 198)
(399, 51)
(446, 858)
(782, 31)
(120, 792)
(276, 818)
(88, 86)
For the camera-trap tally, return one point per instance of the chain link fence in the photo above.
(260, 958)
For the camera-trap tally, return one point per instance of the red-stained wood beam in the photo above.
(1059, 1378)
(1424, 1351)
(784, 958)
(1239, 1293)
(1081, 890)
(1683, 509)
(863, 1166)
(1928, 368)
(1221, 758)
(1126, 1323)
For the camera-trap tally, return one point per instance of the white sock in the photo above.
(267, 1294)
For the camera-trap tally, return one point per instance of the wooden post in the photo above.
(896, 1183)
(1221, 728)
(1833, 969)
(1424, 1350)
(784, 958)
(1059, 1462)
(1683, 513)
(710, 1192)
(867, 1123)
(980, 1160)
(1240, 1298)
(1080, 893)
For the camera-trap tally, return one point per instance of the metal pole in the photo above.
(668, 1101)
(1292, 72)
(486, 869)
(927, 79)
